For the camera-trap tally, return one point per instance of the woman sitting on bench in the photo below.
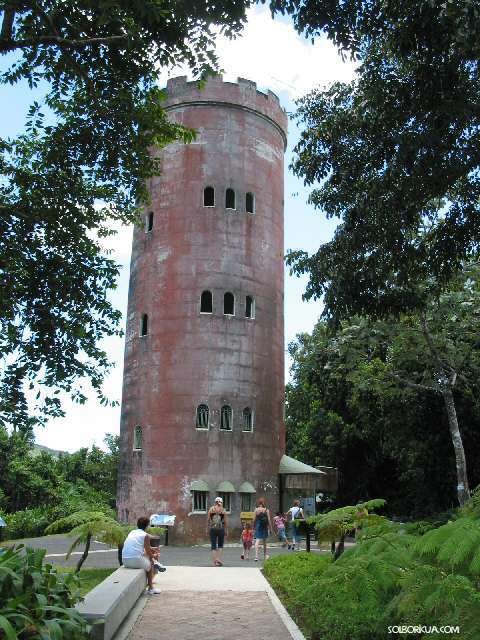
(138, 554)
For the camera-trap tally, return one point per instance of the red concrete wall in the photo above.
(190, 358)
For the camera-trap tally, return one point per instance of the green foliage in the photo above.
(388, 578)
(88, 578)
(74, 520)
(393, 154)
(36, 601)
(28, 523)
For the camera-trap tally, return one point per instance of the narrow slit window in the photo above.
(226, 418)
(144, 325)
(149, 225)
(247, 419)
(206, 302)
(209, 197)
(230, 199)
(229, 304)
(203, 414)
(199, 501)
(250, 202)
(249, 307)
(137, 438)
(227, 501)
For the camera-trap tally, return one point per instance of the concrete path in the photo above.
(211, 603)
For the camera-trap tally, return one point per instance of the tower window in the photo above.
(149, 225)
(229, 304)
(249, 307)
(206, 302)
(137, 438)
(199, 501)
(246, 502)
(247, 416)
(226, 418)
(230, 199)
(203, 413)
(250, 203)
(227, 503)
(209, 197)
(144, 325)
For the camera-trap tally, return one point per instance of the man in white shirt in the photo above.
(138, 554)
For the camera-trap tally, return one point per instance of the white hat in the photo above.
(219, 499)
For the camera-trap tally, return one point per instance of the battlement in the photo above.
(243, 93)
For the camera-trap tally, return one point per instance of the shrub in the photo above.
(36, 601)
(28, 523)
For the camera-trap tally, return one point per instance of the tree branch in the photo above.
(413, 385)
(7, 25)
(10, 45)
(444, 366)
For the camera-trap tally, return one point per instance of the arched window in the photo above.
(229, 304)
(249, 307)
(206, 302)
(149, 222)
(203, 413)
(230, 199)
(247, 416)
(144, 325)
(209, 197)
(226, 418)
(137, 438)
(250, 203)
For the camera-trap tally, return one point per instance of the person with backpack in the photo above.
(217, 529)
(295, 513)
(262, 524)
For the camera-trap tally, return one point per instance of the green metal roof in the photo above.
(199, 485)
(291, 466)
(246, 487)
(225, 487)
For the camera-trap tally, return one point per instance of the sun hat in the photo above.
(219, 499)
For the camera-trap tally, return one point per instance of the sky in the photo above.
(273, 55)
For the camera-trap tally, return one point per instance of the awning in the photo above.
(246, 487)
(290, 466)
(225, 487)
(199, 485)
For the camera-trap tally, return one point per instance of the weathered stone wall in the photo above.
(189, 358)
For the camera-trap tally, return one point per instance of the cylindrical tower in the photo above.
(203, 389)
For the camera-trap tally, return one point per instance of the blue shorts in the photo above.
(282, 535)
(217, 536)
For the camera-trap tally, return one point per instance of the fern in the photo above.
(73, 520)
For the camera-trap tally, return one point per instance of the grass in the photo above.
(89, 578)
(291, 576)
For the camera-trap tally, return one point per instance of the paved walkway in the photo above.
(211, 603)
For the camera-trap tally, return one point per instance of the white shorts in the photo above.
(140, 562)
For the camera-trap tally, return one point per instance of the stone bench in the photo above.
(109, 603)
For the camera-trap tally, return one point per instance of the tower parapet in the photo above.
(242, 94)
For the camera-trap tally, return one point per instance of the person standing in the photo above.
(247, 541)
(262, 524)
(138, 554)
(279, 522)
(295, 513)
(217, 530)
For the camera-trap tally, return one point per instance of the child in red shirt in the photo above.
(247, 541)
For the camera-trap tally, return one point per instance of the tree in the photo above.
(81, 165)
(394, 154)
(364, 397)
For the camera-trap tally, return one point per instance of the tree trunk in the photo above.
(340, 548)
(463, 490)
(84, 555)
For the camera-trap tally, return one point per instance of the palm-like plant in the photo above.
(84, 526)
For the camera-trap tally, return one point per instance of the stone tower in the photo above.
(202, 409)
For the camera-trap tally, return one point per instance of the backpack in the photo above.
(262, 518)
(216, 520)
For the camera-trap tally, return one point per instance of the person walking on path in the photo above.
(247, 541)
(279, 522)
(138, 554)
(262, 524)
(217, 525)
(295, 513)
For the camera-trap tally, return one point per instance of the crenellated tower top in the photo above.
(242, 94)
